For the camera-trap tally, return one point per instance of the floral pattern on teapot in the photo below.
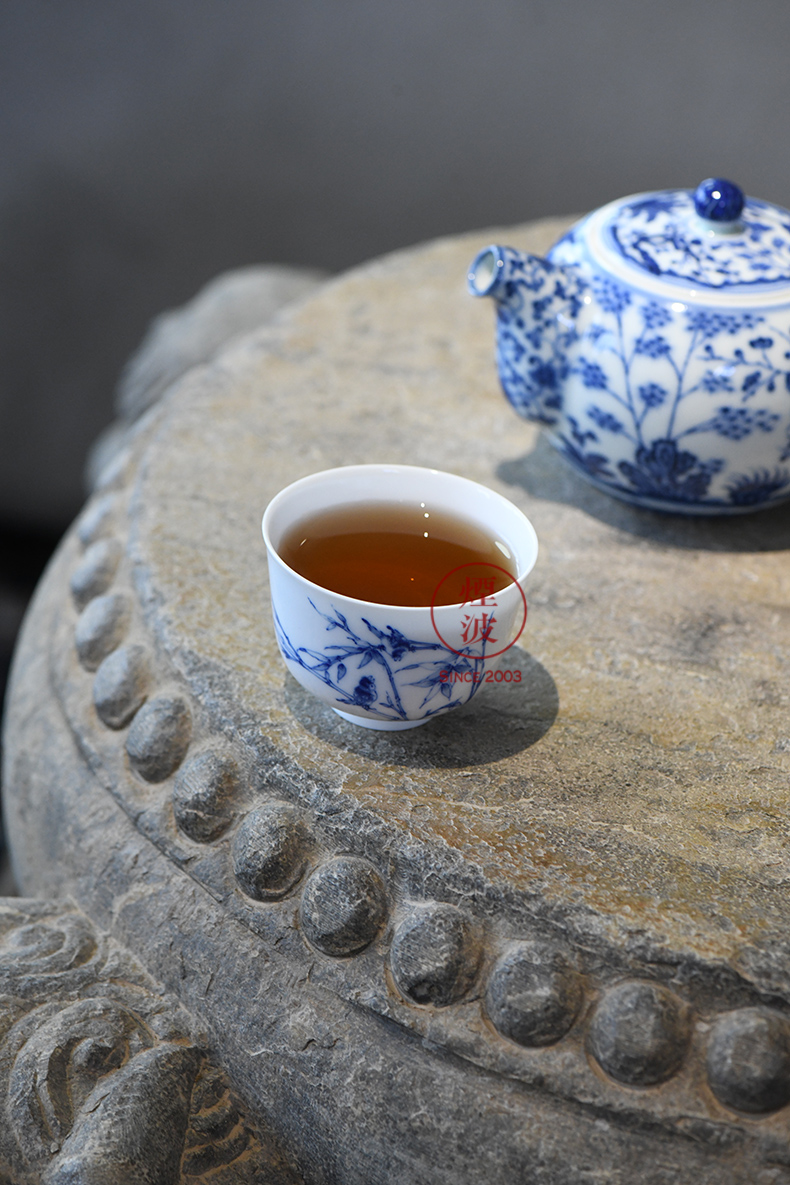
(658, 398)
(659, 234)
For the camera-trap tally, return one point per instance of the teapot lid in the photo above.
(713, 240)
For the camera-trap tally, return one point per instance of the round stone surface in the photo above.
(121, 685)
(534, 994)
(639, 1033)
(435, 955)
(203, 795)
(748, 1060)
(159, 737)
(270, 851)
(636, 772)
(343, 906)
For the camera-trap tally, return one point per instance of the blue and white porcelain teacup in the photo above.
(653, 343)
(393, 666)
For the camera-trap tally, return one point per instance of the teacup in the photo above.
(392, 667)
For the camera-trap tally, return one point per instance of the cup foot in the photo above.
(381, 725)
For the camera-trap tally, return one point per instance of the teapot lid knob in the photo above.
(718, 200)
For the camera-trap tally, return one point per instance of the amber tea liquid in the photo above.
(396, 553)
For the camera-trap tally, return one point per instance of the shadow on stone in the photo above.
(544, 474)
(501, 720)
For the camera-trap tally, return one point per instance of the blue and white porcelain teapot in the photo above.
(654, 344)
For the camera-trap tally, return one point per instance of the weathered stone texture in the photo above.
(534, 994)
(159, 737)
(640, 1033)
(95, 574)
(230, 306)
(101, 1079)
(101, 628)
(270, 851)
(435, 955)
(121, 685)
(749, 1060)
(343, 906)
(205, 795)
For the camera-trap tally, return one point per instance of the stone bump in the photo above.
(115, 472)
(534, 994)
(343, 906)
(436, 955)
(120, 687)
(270, 851)
(96, 572)
(159, 737)
(204, 793)
(639, 1033)
(748, 1060)
(100, 628)
(232, 304)
(96, 519)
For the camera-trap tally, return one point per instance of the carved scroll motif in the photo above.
(101, 1079)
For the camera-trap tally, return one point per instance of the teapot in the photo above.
(653, 343)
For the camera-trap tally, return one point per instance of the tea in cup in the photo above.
(395, 588)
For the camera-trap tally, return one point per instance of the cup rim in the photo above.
(314, 479)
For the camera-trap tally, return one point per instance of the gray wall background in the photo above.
(146, 145)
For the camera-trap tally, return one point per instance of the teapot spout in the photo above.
(537, 305)
(492, 269)
(495, 270)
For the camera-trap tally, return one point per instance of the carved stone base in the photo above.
(542, 939)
